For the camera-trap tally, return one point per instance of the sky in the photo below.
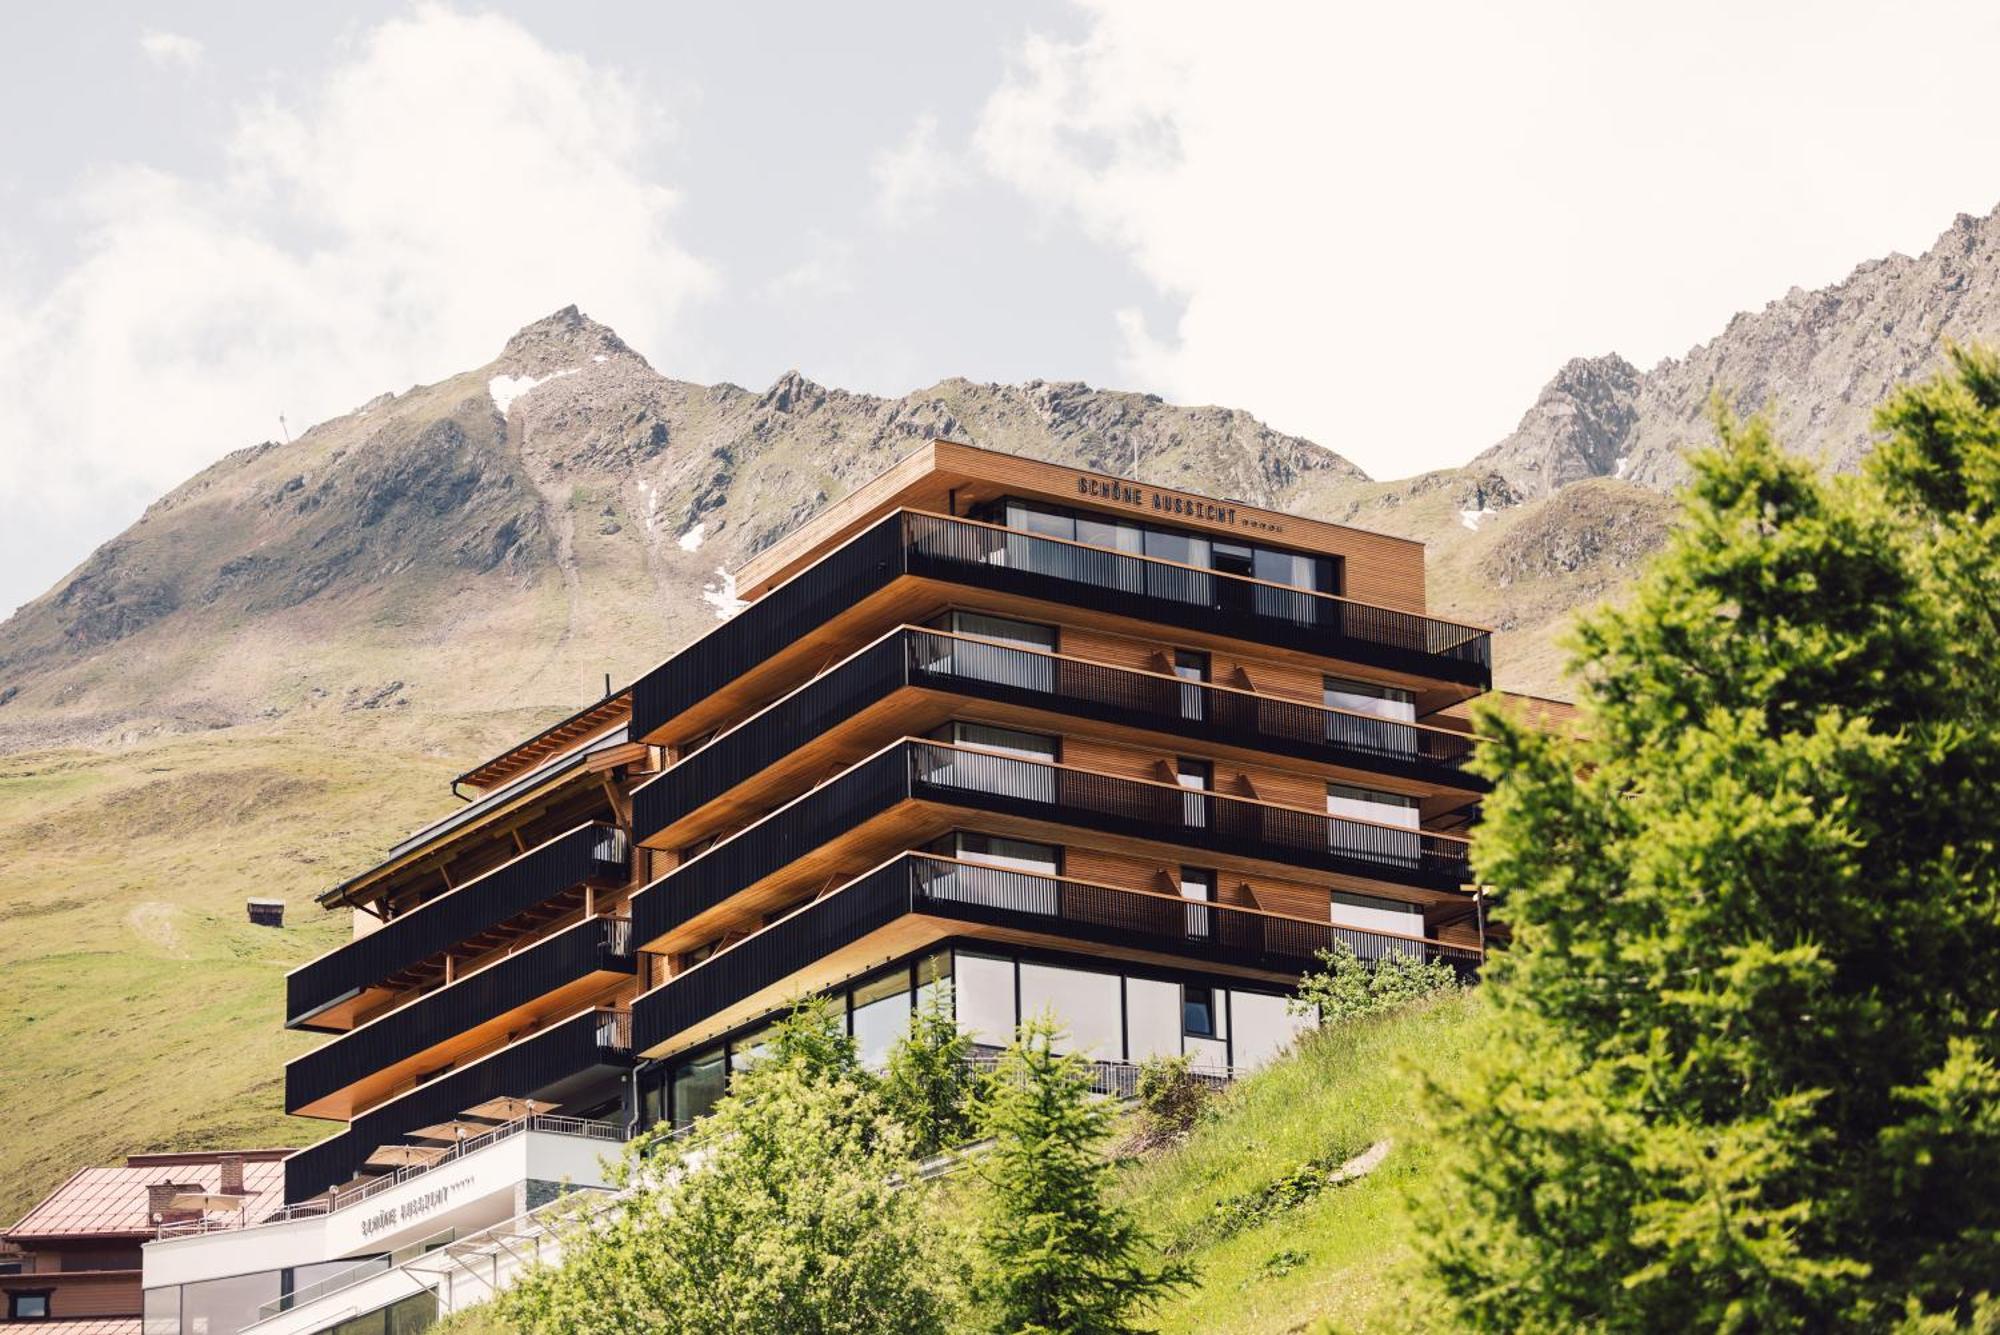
(1381, 227)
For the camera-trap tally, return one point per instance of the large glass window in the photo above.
(1186, 549)
(1041, 520)
(1110, 533)
(1029, 633)
(698, 1085)
(998, 851)
(1366, 697)
(1033, 745)
(984, 985)
(1344, 799)
(879, 1013)
(1085, 1003)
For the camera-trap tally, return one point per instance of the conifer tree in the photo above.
(1740, 1071)
(930, 1084)
(1056, 1254)
(791, 1210)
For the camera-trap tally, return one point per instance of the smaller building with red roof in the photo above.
(71, 1265)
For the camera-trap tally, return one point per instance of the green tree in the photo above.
(930, 1085)
(792, 1210)
(1344, 987)
(1739, 1071)
(1055, 1253)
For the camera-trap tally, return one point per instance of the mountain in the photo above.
(1819, 361)
(510, 535)
(276, 670)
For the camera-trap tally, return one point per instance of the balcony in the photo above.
(1035, 795)
(929, 898)
(963, 553)
(551, 1066)
(956, 666)
(478, 915)
(476, 1012)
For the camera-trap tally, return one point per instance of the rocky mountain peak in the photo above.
(792, 393)
(1576, 429)
(562, 341)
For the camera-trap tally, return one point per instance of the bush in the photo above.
(1171, 1097)
(1346, 987)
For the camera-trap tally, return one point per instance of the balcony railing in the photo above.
(547, 1061)
(1015, 901)
(989, 670)
(1059, 794)
(1066, 574)
(596, 945)
(594, 854)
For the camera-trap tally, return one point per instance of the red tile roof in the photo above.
(112, 1201)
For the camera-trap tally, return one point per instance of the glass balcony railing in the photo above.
(987, 781)
(1065, 575)
(1010, 674)
(1014, 901)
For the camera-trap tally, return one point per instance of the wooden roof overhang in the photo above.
(549, 743)
(424, 852)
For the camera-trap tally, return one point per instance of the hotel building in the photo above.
(1069, 741)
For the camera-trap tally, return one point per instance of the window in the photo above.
(1233, 558)
(1196, 775)
(878, 1015)
(1017, 854)
(1110, 533)
(1366, 697)
(1344, 799)
(1197, 1011)
(1182, 548)
(1374, 913)
(1191, 665)
(1041, 520)
(28, 1306)
(1008, 741)
(698, 1085)
(1198, 884)
(1029, 633)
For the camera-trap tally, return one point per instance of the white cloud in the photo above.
(449, 182)
(912, 178)
(1385, 227)
(170, 49)
(828, 270)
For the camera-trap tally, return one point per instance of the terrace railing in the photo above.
(592, 853)
(1063, 573)
(1016, 901)
(990, 670)
(595, 945)
(1064, 795)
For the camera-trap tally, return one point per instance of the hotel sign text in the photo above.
(1121, 492)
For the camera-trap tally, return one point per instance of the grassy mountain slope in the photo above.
(1338, 1252)
(267, 679)
(138, 1007)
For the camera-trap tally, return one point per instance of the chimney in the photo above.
(232, 1174)
(160, 1202)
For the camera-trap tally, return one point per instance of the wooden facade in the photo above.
(715, 819)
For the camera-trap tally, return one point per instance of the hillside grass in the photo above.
(139, 1010)
(1344, 1255)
